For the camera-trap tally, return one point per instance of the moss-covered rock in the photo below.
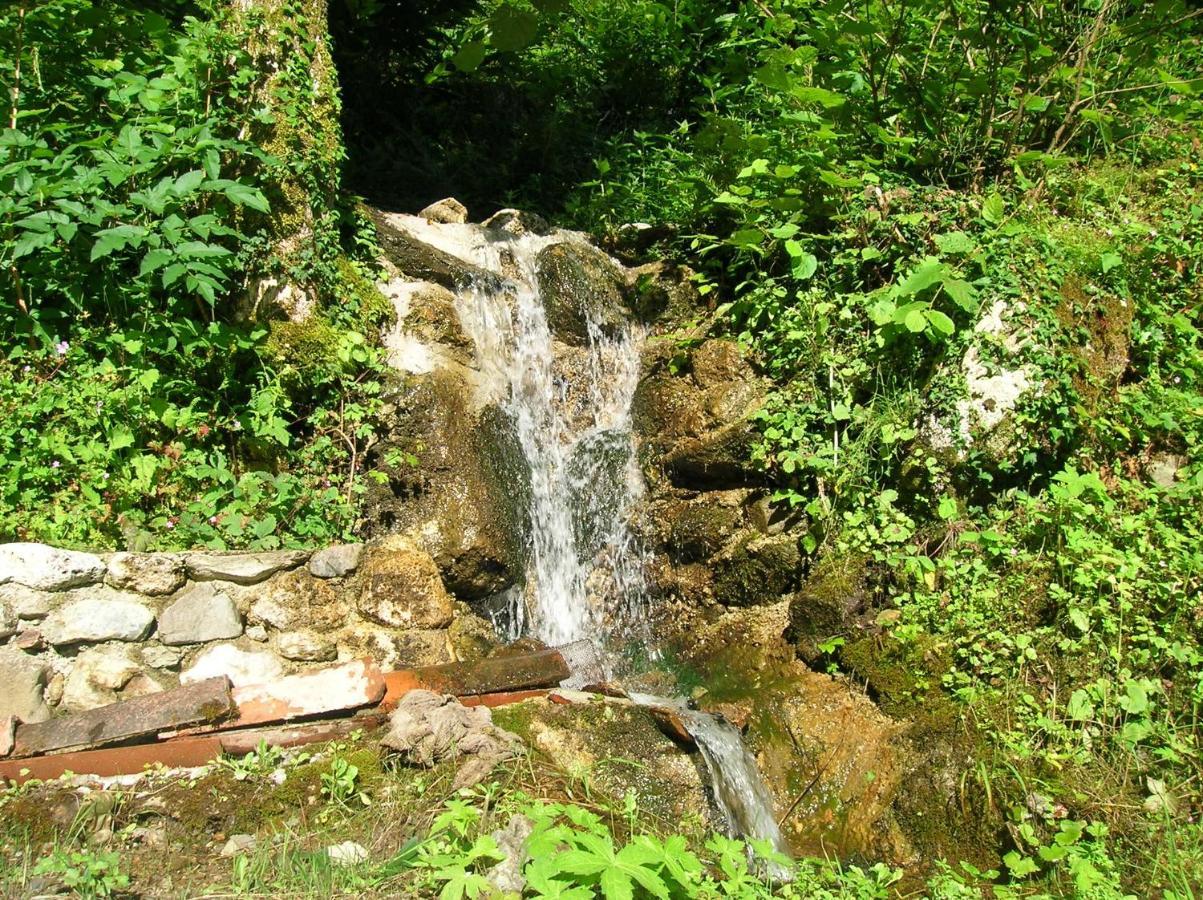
(756, 569)
(829, 602)
(579, 285)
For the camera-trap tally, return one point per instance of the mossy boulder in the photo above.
(580, 285)
(696, 530)
(756, 569)
(829, 602)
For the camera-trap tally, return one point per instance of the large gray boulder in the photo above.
(24, 681)
(580, 285)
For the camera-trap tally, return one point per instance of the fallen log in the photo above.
(205, 701)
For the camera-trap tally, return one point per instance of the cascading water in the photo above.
(570, 407)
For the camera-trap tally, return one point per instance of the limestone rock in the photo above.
(400, 586)
(295, 599)
(25, 602)
(47, 568)
(305, 646)
(405, 241)
(257, 633)
(8, 733)
(242, 667)
(153, 574)
(104, 675)
(517, 222)
(242, 568)
(202, 612)
(398, 649)
(102, 614)
(756, 569)
(448, 211)
(24, 681)
(159, 657)
(239, 844)
(8, 621)
(717, 362)
(471, 637)
(335, 562)
(348, 853)
(506, 876)
(827, 604)
(579, 284)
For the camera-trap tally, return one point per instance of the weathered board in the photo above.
(205, 701)
(542, 669)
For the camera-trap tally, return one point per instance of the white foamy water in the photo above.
(570, 408)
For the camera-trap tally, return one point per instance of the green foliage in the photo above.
(139, 410)
(86, 873)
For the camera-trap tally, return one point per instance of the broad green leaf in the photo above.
(915, 321)
(1109, 261)
(961, 293)
(930, 271)
(470, 56)
(118, 238)
(1080, 708)
(512, 28)
(940, 322)
(154, 260)
(993, 209)
(188, 182)
(948, 509)
(955, 242)
(616, 884)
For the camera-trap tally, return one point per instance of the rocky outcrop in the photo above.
(580, 284)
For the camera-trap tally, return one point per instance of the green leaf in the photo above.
(469, 57)
(948, 509)
(955, 242)
(915, 321)
(1109, 261)
(961, 293)
(930, 271)
(154, 260)
(993, 209)
(512, 28)
(1080, 708)
(112, 239)
(616, 885)
(940, 322)
(245, 195)
(188, 182)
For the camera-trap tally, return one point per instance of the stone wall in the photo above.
(80, 630)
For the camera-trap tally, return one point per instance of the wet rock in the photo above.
(153, 574)
(427, 728)
(104, 675)
(506, 876)
(448, 211)
(400, 586)
(698, 529)
(200, 613)
(719, 459)
(241, 568)
(103, 614)
(717, 362)
(242, 667)
(305, 646)
(404, 241)
(24, 681)
(517, 222)
(471, 637)
(47, 568)
(828, 603)
(25, 602)
(579, 284)
(756, 569)
(335, 562)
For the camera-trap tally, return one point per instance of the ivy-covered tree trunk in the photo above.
(297, 127)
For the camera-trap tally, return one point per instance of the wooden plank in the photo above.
(498, 674)
(204, 701)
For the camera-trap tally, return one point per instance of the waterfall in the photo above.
(570, 409)
(738, 789)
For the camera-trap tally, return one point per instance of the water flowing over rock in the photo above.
(555, 353)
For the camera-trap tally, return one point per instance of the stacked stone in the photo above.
(80, 630)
